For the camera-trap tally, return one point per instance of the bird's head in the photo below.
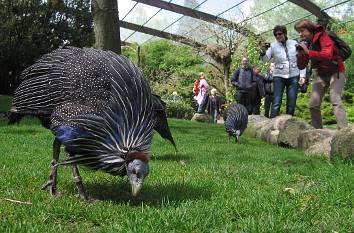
(238, 134)
(137, 170)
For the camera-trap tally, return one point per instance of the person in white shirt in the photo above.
(286, 74)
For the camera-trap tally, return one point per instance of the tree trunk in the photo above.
(106, 25)
(226, 76)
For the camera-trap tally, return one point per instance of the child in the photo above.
(213, 106)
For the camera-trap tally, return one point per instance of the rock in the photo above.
(312, 137)
(343, 143)
(201, 117)
(265, 132)
(279, 121)
(255, 123)
(273, 137)
(321, 148)
(290, 132)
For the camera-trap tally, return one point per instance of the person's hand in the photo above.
(302, 81)
(303, 45)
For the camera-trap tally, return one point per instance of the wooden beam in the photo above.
(161, 34)
(312, 8)
(198, 15)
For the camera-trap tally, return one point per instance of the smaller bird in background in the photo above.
(236, 119)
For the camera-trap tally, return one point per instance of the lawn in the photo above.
(210, 185)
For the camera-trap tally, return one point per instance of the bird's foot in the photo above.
(52, 182)
(52, 188)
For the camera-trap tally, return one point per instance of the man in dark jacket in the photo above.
(243, 81)
(257, 92)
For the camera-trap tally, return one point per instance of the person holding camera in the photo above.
(286, 73)
(329, 70)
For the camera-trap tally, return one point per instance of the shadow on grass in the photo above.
(157, 195)
(16, 131)
(171, 157)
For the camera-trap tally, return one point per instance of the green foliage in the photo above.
(230, 95)
(346, 32)
(210, 185)
(32, 28)
(5, 103)
(131, 52)
(162, 58)
(179, 109)
(303, 112)
(169, 67)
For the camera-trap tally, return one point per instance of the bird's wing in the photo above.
(65, 75)
(237, 118)
(107, 139)
(161, 125)
(44, 85)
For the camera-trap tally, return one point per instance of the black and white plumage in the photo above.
(161, 125)
(98, 105)
(236, 119)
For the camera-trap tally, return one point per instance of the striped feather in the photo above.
(124, 128)
(236, 118)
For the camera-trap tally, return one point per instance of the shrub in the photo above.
(178, 109)
(303, 111)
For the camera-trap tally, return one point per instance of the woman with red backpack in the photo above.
(200, 91)
(329, 67)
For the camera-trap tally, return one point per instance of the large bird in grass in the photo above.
(98, 105)
(236, 119)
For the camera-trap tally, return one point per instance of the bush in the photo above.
(303, 111)
(5, 103)
(179, 109)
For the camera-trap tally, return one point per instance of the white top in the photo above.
(284, 67)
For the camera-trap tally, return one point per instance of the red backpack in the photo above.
(196, 86)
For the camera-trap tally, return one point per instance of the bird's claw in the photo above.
(46, 185)
(52, 188)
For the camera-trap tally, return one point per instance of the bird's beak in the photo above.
(136, 187)
(238, 139)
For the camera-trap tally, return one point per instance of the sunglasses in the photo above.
(278, 34)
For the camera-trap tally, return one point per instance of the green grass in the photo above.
(210, 186)
(5, 103)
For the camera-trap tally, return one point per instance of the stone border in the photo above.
(292, 132)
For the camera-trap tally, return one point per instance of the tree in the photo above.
(32, 28)
(105, 16)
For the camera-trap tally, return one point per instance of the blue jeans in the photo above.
(292, 87)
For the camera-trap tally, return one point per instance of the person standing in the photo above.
(243, 81)
(329, 71)
(268, 87)
(213, 106)
(257, 91)
(286, 73)
(200, 88)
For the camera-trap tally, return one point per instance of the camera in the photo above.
(303, 88)
(266, 45)
(299, 48)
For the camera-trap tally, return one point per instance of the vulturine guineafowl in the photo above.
(236, 119)
(98, 105)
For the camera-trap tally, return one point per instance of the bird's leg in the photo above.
(52, 182)
(78, 181)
